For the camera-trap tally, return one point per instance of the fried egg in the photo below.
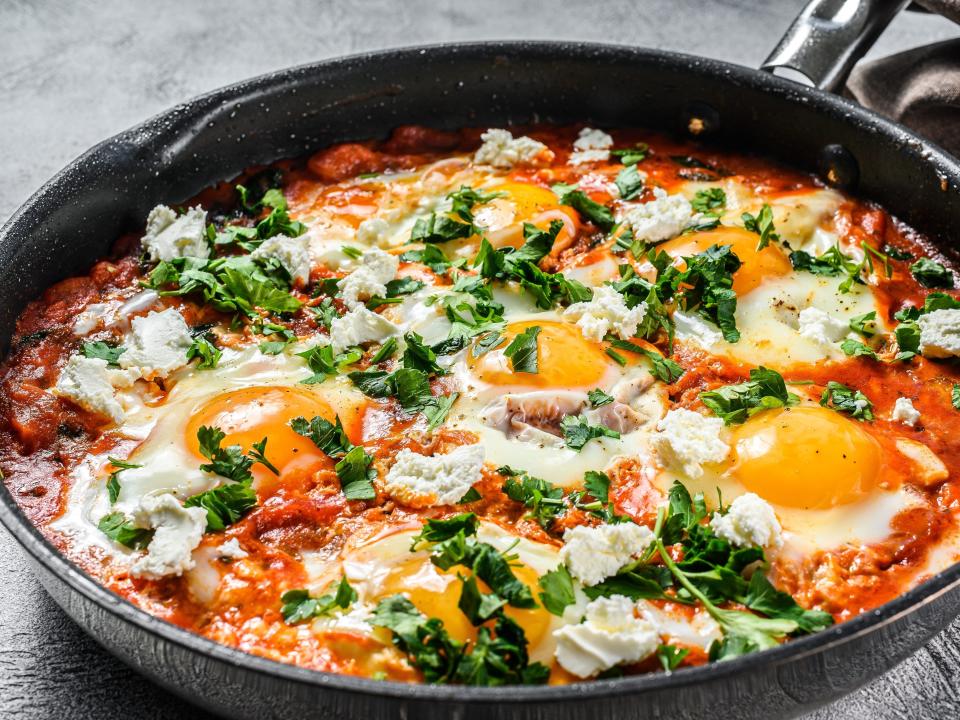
(384, 565)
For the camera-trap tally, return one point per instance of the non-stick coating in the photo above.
(75, 217)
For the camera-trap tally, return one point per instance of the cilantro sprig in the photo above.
(765, 390)
(353, 466)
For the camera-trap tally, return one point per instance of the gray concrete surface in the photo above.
(73, 73)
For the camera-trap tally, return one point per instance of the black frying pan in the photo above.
(75, 217)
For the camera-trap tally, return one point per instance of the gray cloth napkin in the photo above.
(919, 88)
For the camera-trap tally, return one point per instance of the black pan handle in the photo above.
(829, 37)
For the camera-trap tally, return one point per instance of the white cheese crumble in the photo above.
(749, 521)
(662, 218)
(940, 333)
(502, 150)
(591, 146)
(421, 481)
(360, 326)
(372, 231)
(168, 236)
(905, 412)
(609, 635)
(821, 327)
(377, 268)
(687, 439)
(292, 253)
(88, 382)
(595, 553)
(91, 317)
(691, 327)
(606, 312)
(231, 550)
(178, 531)
(157, 344)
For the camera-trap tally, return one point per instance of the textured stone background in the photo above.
(74, 73)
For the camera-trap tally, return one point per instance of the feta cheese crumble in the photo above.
(687, 439)
(821, 327)
(292, 253)
(591, 146)
(372, 231)
(662, 218)
(609, 635)
(606, 312)
(593, 554)
(502, 150)
(178, 531)
(421, 481)
(940, 333)
(376, 270)
(88, 383)
(905, 412)
(360, 326)
(749, 521)
(693, 328)
(157, 344)
(169, 236)
(231, 550)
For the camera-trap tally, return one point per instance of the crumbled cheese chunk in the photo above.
(591, 146)
(178, 531)
(360, 326)
(607, 312)
(693, 328)
(821, 327)
(372, 231)
(503, 150)
(421, 481)
(157, 344)
(231, 550)
(90, 318)
(292, 253)
(940, 333)
(662, 218)
(88, 382)
(687, 439)
(609, 635)
(377, 268)
(749, 521)
(905, 412)
(169, 236)
(595, 553)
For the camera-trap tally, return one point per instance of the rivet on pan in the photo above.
(838, 167)
(700, 119)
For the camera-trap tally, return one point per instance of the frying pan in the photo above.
(73, 219)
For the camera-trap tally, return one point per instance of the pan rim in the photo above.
(51, 560)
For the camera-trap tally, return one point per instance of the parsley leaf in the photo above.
(865, 324)
(102, 351)
(631, 156)
(208, 353)
(299, 606)
(762, 225)
(711, 200)
(670, 657)
(931, 274)
(763, 597)
(440, 229)
(418, 356)
(599, 215)
(706, 285)
(598, 398)
(629, 182)
(844, 399)
(544, 499)
(523, 352)
(662, 368)
(113, 482)
(225, 504)
(322, 362)
(765, 390)
(329, 437)
(577, 432)
(118, 528)
(426, 643)
(556, 590)
(855, 348)
(356, 475)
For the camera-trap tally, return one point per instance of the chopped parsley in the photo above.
(208, 353)
(577, 432)
(544, 500)
(113, 481)
(955, 396)
(865, 324)
(103, 351)
(629, 183)
(931, 274)
(845, 399)
(556, 590)
(765, 390)
(522, 351)
(353, 466)
(299, 606)
(598, 398)
(120, 529)
(599, 215)
(710, 201)
(225, 504)
(762, 225)
(230, 462)
(855, 348)
(631, 156)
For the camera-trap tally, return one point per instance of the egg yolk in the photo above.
(805, 457)
(436, 593)
(756, 267)
(250, 414)
(564, 359)
(521, 203)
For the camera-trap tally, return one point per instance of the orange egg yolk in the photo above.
(564, 359)
(436, 593)
(805, 457)
(250, 414)
(521, 203)
(756, 267)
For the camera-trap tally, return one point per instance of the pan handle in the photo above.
(829, 37)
